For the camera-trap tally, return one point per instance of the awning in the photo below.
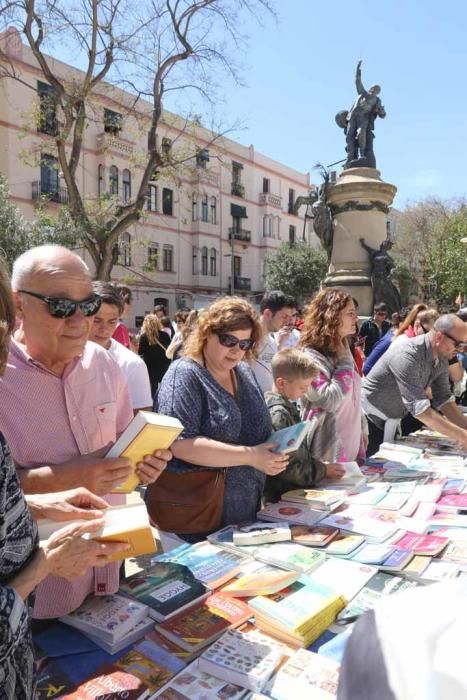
(238, 211)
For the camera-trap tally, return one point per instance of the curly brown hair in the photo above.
(223, 316)
(322, 320)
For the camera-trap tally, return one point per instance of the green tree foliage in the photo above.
(445, 260)
(18, 235)
(296, 270)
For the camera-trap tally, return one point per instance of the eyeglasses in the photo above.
(459, 345)
(61, 307)
(381, 313)
(231, 341)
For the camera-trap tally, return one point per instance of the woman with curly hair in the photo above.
(335, 393)
(214, 394)
(153, 343)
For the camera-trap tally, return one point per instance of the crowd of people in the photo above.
(73, 377)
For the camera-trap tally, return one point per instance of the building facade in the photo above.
(207, 226)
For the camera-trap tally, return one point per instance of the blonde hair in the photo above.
(223, 316)
(152, 328)
(7, 314)
(292, 363)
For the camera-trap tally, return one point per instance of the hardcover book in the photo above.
(166, 588)
(108, 617)
(247, 659)
(146, 433)
(201, 624)
(211, 565)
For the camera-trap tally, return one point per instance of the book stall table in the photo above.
(265, 610)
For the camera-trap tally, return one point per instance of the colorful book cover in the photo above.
(306, 675)
(397, 560)
(375, 527)
(245, 658)
(151, 664)
(200, 624)
(430, 545)
(109, 617)
(164, 587)
(261, 583)
(291, 556)
(343, 544)
(289, 439)
(313, 536)
(109, 682)
(211, 565)
(193, 684)
(456, 500)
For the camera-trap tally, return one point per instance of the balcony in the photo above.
(237, 190)
(239, 234)
(116, 144)
(273, 200)
(49, 191)
(242, 284)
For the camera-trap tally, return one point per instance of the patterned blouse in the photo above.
(18, 540)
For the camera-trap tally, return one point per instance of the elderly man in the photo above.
(64, 401)
(411, 377)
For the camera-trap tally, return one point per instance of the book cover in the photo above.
(397, 560)
(306, 675)
(200, 624)
(210, 564)
(291, 556)
(429, 545)
(171, 647)
(313, 536)
(193, 684)
(289, 439)
(379, 585)
(316, 498)
(58, 639)
(455, 500)
(343, 576)
(343, 544)
(416, 567)
(376, 528)
(146, 433)
(134, 635)
(108, 617)
(261, 533)
(372, 553)
(440, 571)
(247, 659)
(165, 587)
(293, 513)
(261, 583)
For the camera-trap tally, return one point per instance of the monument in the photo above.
(359, 204)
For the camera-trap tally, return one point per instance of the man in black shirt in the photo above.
(374, 328)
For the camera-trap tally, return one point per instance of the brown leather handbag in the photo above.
(188, 502)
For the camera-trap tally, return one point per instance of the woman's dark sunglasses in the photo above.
(231, 341)
(61, 307)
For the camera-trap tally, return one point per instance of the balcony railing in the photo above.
(49, 191)
(113, 142)
(239, 234)
(272, 199)
(241, 283)
(237, 190)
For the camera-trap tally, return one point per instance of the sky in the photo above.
(299, 71)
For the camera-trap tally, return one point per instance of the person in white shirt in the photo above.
(277, 310)
(132, 366)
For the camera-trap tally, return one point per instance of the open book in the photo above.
(289, 439)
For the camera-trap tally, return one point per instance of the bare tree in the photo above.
(148, 48)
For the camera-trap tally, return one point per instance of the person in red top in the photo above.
(120, 333)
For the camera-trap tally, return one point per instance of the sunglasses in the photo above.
(231, 341)
(61, 307)
(459, 345)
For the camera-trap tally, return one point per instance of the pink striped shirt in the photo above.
(48, 419)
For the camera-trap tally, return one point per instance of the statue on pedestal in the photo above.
(358, 124)
(382, 265)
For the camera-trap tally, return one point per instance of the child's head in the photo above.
(292, 370)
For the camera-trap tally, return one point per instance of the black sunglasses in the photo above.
(231, 341)
(459, 345)
(61, 307)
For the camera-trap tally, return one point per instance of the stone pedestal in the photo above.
(359, 202)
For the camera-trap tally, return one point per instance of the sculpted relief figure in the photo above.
(382, 265)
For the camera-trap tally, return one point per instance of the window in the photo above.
(291, 201)
(278, 227)
(100, 181)
(166, 147)
(48, 100)
(204, 260)
(236, 224)
(151, 198)
(194, 207)
(204, 208)
(194, 260)
(168, 258)
(126, 185)
(268, 227)
(237, 266)
(113, 179)
(113, 122)
(125, 249)
(213, 263)
(266, 184)
(291, 235)
(213, 210)
(153, 256)
(237, 188)
(49, 176)
(167, 201)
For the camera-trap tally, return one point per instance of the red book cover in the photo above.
(430, 545)
(457, 500)
(109, 682)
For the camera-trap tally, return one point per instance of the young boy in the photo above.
(292, 371)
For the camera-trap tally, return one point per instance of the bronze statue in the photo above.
(382, 265)
(358, 124)
(317, 209)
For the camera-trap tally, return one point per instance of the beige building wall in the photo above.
(181, 275)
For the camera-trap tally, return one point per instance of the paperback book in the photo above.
(343, 576)
(261, 533)
(306, 675)
(210, 564)
(293, 513)
(108, 617)
(313, 536)
(260, 582)
(192, 683)
(292, 556)
(289, 439)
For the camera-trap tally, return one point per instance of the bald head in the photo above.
(46, 261)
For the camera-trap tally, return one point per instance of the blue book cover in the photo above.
(289, 439)
(208, 563)
(60, 640)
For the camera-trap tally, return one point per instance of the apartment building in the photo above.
(207, 226)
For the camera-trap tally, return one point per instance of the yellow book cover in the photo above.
(146, 433)
(129, 524)
(261, 583)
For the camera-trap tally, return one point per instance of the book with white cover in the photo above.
(136, 633)
(108, 617)
(290, 555)
(306, 675)
(345, 577)
(193, 684)
(261, 533)
(375, 530)
(247, 659)
(293, 513)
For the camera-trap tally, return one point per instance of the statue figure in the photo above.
(382, 265)
(318, 210)
(358, 124)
